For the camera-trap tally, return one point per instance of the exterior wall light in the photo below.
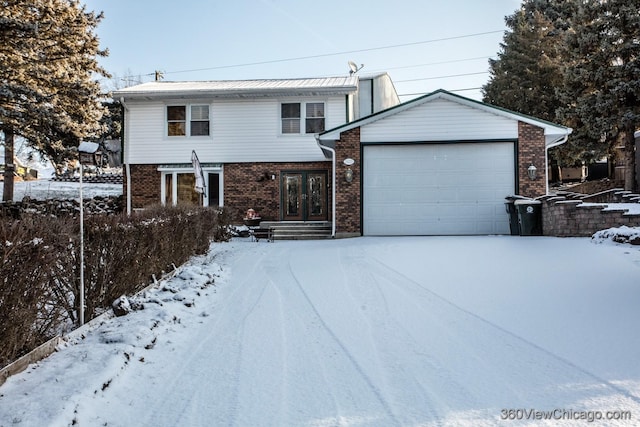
(348, 175)
(531, 171)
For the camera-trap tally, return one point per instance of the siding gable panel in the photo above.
(440, 120)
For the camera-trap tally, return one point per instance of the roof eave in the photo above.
(234, 93)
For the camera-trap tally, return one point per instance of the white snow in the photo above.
(43, 189)
(631, 208)
(424, 331)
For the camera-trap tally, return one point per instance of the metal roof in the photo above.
(241, 88)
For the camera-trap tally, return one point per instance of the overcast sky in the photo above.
(424, 45)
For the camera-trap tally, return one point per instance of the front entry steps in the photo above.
(293, 230)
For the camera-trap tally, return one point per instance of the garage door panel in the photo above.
(437, 189)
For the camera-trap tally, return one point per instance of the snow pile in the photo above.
(621, 234)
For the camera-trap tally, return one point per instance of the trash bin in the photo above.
(529, 217)
(513, 214)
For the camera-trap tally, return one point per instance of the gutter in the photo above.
(125, 155)
(333, 185)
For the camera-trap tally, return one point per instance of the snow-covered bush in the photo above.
(40, 265)
(621, 234)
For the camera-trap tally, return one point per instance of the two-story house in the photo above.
(255, 140)
(338, 149)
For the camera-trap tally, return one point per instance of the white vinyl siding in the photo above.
(440, 120)
(241, 131)
(437, 189)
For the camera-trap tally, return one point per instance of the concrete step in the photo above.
(297, 230)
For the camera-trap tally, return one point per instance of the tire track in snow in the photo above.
(296, 322)
(377, 392)
(395, 274)
(401, 368)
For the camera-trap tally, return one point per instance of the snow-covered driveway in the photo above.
(361, 332)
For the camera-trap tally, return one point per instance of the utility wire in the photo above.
(300, 58)
(448, 90)
(452, 61)
(441, 77)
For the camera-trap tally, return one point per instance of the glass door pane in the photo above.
(292, 196)
(186, 189)
(316, 196)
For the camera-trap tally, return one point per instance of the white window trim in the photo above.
(187, 106)
(174, 171)
(303, 115)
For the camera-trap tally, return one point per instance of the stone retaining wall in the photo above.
(98, 205)
(92, 179)
(572, 214)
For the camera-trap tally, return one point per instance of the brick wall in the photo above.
(245, 186)
(348, 198)
(565, 217)
(531, 150)
(145, 185)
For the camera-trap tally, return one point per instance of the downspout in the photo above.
(126, 156)
(557, 142)
(333, 185)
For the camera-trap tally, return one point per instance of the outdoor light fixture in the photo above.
(348, 175)
(531, 171)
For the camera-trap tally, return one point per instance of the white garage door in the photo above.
(437, 189)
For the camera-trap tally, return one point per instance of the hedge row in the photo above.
(40, 267)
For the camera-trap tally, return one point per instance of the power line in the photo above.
(452, 61)
(300, 58)
(448, 90)
(441, 77)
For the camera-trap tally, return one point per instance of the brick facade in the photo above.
(531, 150)
(145, 186)
(249, 185)
(348, 194)
(246, 185)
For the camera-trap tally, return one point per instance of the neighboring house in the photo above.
(440, 164)
(255, 140)
(112, 149)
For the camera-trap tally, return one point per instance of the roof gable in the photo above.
(553, 132)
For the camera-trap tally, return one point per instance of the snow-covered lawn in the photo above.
(43, 189)
(424, 331)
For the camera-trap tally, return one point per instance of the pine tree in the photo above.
(527, 72)
(601, 87)
(47, 64)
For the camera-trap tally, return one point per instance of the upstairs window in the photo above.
(315, 117)
(177, 120)
(199, 120)
(196, 116)
(293, 121)
(290, 114)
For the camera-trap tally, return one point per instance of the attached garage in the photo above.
(426, 189)
(441, 164)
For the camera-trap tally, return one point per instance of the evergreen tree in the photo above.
(527, 72)
(47, 63)
(601, 86)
